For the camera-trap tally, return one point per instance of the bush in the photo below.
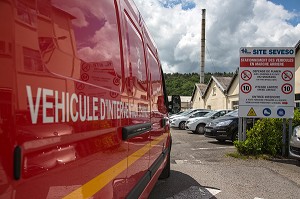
(265, 137)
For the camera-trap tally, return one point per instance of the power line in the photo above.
(214, 67)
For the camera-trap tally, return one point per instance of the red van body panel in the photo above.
(82, 101)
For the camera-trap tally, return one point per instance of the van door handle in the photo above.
(17, 162)
(135, 130)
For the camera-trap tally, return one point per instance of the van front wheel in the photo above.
(167, 170)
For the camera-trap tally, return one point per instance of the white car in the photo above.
(183, 113)
(179, 121)
(294, 149)
(196, 125)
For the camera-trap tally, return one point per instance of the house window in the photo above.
(297, 100)
(32, 60)
(26, 13)
(235, 105)
(214, 91)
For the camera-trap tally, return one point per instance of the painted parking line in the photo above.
(196, 192)
(221, 147)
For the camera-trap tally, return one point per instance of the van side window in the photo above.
(156, 81)
(85, 40)
(137, 68)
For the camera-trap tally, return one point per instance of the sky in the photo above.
(175, 25)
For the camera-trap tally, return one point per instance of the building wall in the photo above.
(215, 98)
(198, 101)
(185, 102)
(233, 95)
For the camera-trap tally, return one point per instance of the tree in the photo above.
(183, 84)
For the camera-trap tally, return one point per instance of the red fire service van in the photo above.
(83, 105)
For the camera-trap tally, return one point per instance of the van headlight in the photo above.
(224, 123)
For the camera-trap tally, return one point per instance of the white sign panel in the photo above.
(267, 78)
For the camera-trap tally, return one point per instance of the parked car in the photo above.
(179, 121)
(294, 149)
(223, 128)
(183, 113)
(196, 125)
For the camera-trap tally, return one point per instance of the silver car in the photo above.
(295, 143)
(196, 125)
(179, 122)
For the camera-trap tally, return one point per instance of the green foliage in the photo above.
(183, 84)
(265, 137)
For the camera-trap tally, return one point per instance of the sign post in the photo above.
(267, 78)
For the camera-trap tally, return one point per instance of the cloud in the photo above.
(230, 25)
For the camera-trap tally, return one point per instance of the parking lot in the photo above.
(201, 168)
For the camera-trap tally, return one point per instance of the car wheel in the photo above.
(220, 140)
(182, 125)
(235, 136)
(200, 128)
(167, 170)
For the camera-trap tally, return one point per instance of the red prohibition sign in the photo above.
(85, 67)
(116, 81)
(287, 75)
(286, 88)
(80, 86)
(246, 75)
(85, 77)
(246, 88)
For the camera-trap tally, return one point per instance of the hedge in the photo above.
(265, 137)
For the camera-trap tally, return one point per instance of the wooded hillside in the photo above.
(183, 84)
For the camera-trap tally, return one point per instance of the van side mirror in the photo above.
(175, 104)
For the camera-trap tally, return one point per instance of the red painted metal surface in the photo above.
(72, 75)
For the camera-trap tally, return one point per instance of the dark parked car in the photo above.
(223, 128)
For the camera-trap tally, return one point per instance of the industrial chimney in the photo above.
(202, 62)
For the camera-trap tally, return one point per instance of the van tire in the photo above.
(167, 170)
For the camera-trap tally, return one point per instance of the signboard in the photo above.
(266, 83)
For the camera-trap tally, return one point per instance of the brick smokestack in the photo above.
(202, 62)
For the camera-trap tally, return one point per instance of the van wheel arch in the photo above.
(167, 169)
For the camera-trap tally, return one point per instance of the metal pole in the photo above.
(244, 128)
(290, 133)
(283, 136)
(240, 129)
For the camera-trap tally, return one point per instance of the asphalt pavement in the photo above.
(201, 168)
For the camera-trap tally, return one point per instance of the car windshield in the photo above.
(186, 113)
(233, 113)
(199, 114)
(210, 114)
